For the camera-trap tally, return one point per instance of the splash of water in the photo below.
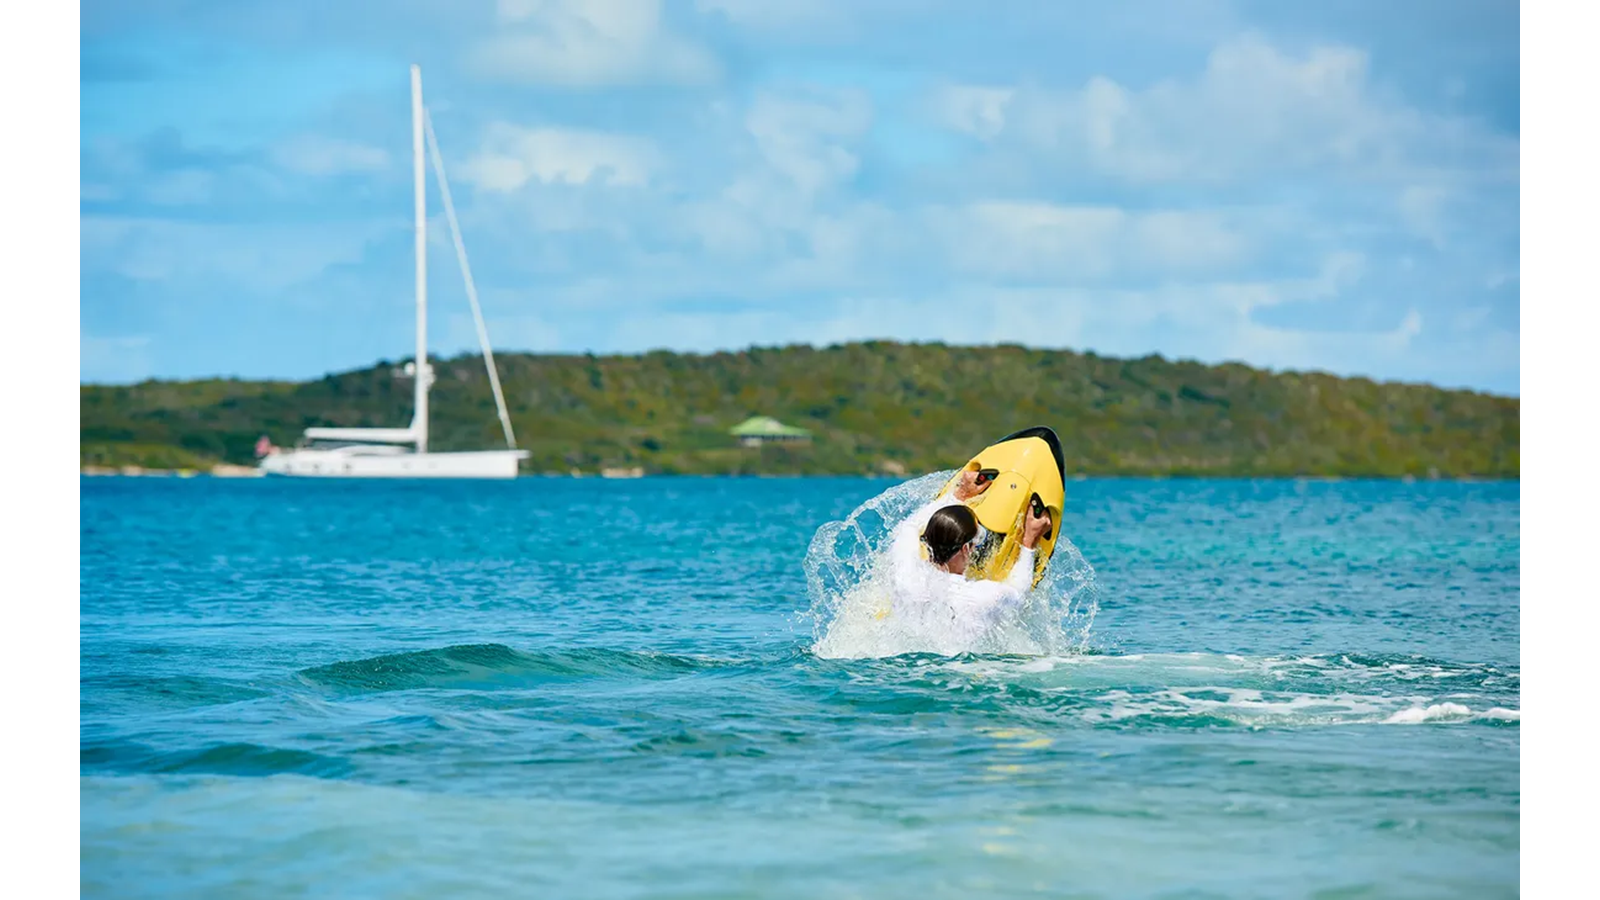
(847, 577)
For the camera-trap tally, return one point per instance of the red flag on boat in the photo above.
(264, 446)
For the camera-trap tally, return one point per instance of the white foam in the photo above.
(1415, 715)
(1248, 692)
(1258, 707)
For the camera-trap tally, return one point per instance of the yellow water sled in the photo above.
(1022, 470)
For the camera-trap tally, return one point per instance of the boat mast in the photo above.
(472, 290)
(419, 424)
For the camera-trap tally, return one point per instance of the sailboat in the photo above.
(403, 452)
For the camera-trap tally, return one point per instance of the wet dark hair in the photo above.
(948, 528)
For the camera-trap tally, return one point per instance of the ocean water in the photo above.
(587, 688)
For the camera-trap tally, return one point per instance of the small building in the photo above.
(758, 430)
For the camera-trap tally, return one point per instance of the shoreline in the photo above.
(222, 470)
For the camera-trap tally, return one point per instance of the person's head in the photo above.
(949, 537)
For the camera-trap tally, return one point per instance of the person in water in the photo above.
(933, 595)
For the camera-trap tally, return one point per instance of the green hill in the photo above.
(870, 406)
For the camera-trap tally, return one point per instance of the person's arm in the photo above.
(995, 599)
(1020, 578)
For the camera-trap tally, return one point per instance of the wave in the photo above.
(167, 692)
(491, 666)
(245, 759)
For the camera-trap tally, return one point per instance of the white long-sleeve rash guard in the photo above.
(949, 610)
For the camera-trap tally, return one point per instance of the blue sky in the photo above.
(1293, 185)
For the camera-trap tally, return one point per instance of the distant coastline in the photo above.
(137, 472)
(869, 409)
(131, 471)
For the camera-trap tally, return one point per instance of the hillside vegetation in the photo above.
(871, 406)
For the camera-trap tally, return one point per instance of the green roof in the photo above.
(766, 426)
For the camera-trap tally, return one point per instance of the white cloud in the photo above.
(164, 170)
(1076, 244)
(779, 17)
(318, 155)
(1254, 110)
(808, 137)
(1420, 207)
(1409, 328)
(113, 360)
(185, 187)
(1212, 319)
(1185, 241)
(1469, 319)
(1331, 351)
(725, 229)
(512, 156)
(1033, 239)
(788, 202)
(519, 333)
(591, 43)
(978, 111)
(1339, 270)
(258, 257)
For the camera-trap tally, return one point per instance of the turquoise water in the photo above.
(589, 688)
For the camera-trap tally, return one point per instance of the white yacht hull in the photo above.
(347, 462)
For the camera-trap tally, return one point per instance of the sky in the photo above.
(1329, 187)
